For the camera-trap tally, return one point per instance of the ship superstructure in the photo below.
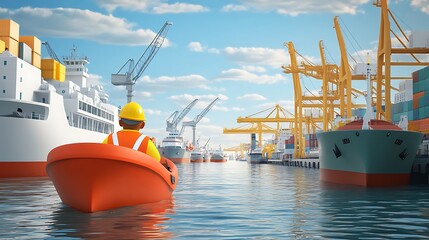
(44, 104)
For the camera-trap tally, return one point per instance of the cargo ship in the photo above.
(217, 157)
(45, 104)
(174, 148)
(377, 157)
(368, 152)
(197, 156)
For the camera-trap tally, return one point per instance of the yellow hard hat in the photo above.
(132, 111)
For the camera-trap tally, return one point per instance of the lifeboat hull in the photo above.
(93, 177)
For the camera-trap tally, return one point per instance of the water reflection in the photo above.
(135, 222)
(234, 200)
(352, 212)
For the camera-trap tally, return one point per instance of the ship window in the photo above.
(43, 100)
(4, 77)
(398, 141)
(5, 63)
(346, 141)
(20, 79)
(20, 96)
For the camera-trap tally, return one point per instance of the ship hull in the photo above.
(197, 159)
(370, 158)
(217, 158)
(25, 149)
(177, 155)
(254, 158)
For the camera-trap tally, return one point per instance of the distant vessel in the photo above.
(197, 155)
(174, 148)
(38, 114)
(254, 156)
(217, 155)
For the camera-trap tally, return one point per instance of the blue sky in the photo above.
(233, 50)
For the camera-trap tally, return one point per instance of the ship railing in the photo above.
(34, 116)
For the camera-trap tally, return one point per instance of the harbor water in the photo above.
(232, 200)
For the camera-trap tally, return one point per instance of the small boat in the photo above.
(93, 177)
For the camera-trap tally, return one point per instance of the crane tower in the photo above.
(194, 122)
(135, 71)
(176, 117)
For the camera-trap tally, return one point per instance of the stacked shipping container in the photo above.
(28, 48)
(420, 121)
(9, 34)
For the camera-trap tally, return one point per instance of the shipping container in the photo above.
(421, 125)
(424, 101)
(11, 44)
(33, 42)
(48, 64)
(416, 97)
(2, 46)
(424, 112)
(9, 28)
(25, 52)
(36, 59)
(416, 114)
(48, 74)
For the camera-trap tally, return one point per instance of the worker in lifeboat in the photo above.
(132, 119)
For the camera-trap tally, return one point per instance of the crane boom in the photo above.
(176, 117)
(51, 52)
(194, 122)
(135, 70)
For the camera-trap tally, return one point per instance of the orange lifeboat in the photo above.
(93, 177)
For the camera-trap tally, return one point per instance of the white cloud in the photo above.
(153, 112)
(296, 7)
(196, 47)
(422, 4)
(80, 24)
(234, 8)
(257, 69)
(245, 76)
(252, 96)
(152, 6)
(257, 56)
(178, 8)
(169, 82)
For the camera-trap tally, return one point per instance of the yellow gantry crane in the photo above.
(384, 59)
(257, 128)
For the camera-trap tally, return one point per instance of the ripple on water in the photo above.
(233, 200)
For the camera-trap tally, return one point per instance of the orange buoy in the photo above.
(93, 177)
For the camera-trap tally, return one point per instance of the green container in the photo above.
(423, 73)
(424, 101)
(410, 115)
(424, 112)
(416, 114)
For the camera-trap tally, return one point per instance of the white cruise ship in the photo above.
(37, 115)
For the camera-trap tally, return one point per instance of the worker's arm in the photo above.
(153, 151)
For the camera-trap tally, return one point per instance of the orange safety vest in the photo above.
(131, 139)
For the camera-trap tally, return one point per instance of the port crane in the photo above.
(177, 116)
(385, 52)
(193, 123)
(51, 52)
(135, 70)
